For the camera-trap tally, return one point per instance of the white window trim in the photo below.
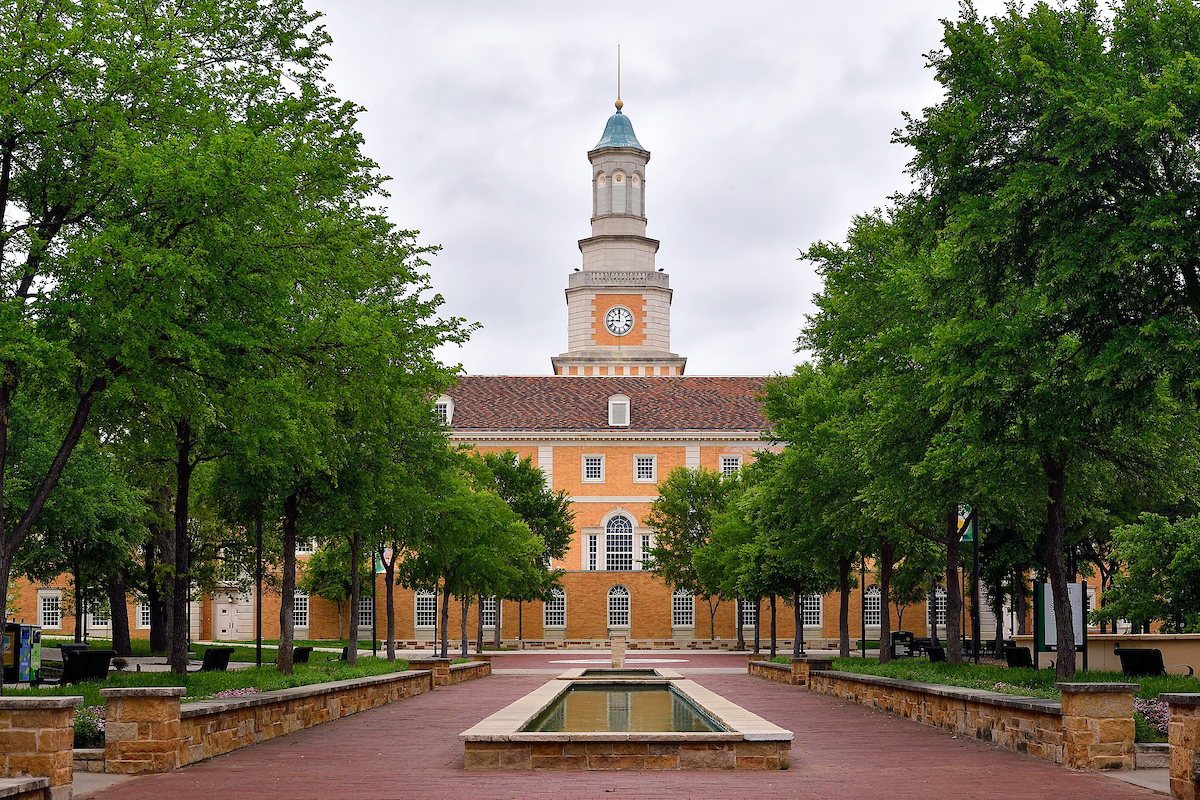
(736, 459)
(137, 615)
(307, 610)
(305, 547)
(820, 603)
(496, 611)
(416, 610)
(50, 593)
(628, 607)
(619, 399)
(583, 468)
(448, 402)
(875, 592)
(366, 605)
(653, 468)
(680, 594)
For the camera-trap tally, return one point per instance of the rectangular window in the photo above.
(98, 616)
(442, 410)
(749, 614)
(300, 610)
(50, 610)
(592, 552)
(644, 469)
(683, 610)
(645, 551)
(366, 611)
(618, 552)
(426, 609)
(940, 606)
(618, 411)
(730, 465)
(554, 613)
(487, 610)
(305, 546)
(812, 610)
(593, 469)
(143, 615)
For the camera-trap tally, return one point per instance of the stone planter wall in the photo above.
(29, 789)
(446, 674)
(795, 674)
(1183, 735)
(1097, 720)
(141, 729)
(37, 736)
(88, 759)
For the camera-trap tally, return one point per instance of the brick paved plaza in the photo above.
(410, 750)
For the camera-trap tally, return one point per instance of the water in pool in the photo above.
(622, 707)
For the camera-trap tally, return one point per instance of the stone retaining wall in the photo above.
(213, 727)
(796, 673)
(638, 755)
(1183, 735)
(28, 789)
(88, 759)
(1024, 724)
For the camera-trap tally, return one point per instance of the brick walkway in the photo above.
(410, 750)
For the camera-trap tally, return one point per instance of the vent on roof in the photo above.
(618, 411)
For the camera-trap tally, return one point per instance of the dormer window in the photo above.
(618, 411)
(443, 407)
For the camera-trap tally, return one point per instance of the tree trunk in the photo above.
(844, 564)
(389, 579)
(182, 584)
(118, 614)
(757, 625)
(160, 566)
(954, 653)
(355, 594)
(479, 628)
(772, 627)
(466, 606)
(1056, 529)
(887, 561)
(737, 623)
(5, 571)
(287, 591)
(712, 617)
(446, 628)
(931, 611)
(80, 604)
(798, 623)
(997, 612)
(497, 636)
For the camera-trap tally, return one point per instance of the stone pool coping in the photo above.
(661, 674)
(506, 724)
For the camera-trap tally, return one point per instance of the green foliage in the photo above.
(89, 726)
(1162, 577)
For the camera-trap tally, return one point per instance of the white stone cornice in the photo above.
(550, 438)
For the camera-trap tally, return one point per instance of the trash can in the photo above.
(22, 653)
(902, 644)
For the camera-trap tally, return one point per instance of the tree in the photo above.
(327, 574)
(682, 517)
(1161, 580)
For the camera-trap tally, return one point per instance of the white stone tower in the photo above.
(618, 304)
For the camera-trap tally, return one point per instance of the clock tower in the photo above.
(618, 304)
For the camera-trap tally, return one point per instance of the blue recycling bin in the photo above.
(22, 653)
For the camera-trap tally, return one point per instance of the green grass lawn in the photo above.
(244, 651)
(1027, 682)
(201, 685)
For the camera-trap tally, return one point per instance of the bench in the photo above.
(1020, 658)
(1145, 661)
(80, 666)
(216, 659)
(299, 655)
(937, 655)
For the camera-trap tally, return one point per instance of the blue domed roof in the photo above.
(619, 133)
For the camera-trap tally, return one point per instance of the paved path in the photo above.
(410, 749)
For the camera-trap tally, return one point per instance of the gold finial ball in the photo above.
(619, 104)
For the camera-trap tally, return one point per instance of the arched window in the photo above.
(601, 194)
(635, 194)
(683, 609)
(871, 606)
(554, 612)
(426, 609)
(939, 605)
(618, 544)
(618, 193)
(618, 607)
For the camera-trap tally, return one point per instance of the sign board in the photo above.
(1045, 628)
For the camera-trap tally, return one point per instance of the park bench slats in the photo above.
(1144, 661)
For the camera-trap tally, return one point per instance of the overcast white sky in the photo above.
(769, 126)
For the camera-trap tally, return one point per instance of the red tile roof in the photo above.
(498, 403)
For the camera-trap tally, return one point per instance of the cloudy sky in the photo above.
(769, 126)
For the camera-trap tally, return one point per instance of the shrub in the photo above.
(1151, 718)
(89, 726)
(119, 663)
(782, 659)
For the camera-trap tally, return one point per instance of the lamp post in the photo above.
(258, 569)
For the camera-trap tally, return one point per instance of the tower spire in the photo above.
(619, 104)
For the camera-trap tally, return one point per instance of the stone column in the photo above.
(440, 667)
(141, 731)
(1184, 738)
(37, 737)
(1097, 721)
(805, 664)
(618, 652)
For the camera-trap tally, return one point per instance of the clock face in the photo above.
(618, 320)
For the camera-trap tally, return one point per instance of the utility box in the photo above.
(22, 653)
(902, 644)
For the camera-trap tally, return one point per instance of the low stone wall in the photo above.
(213, 727)
(638, 755)
(470, 671)
(37, 737)
(796, 673)
(29, 789)
(1024, 724)
(1183, 735)
(89, 759)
